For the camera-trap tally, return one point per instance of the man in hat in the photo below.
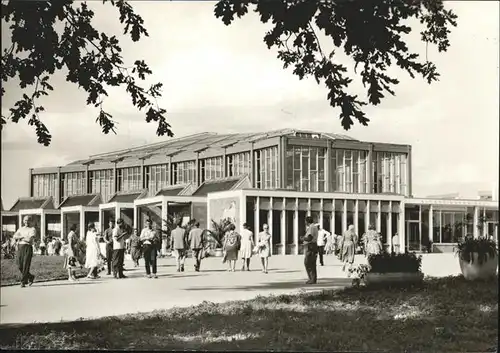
(120, 234)
(25, 237)
(108, 239)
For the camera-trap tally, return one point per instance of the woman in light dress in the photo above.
(247, 245)
(69, 252)
(264, 247)
(348, 246)
(371, 241)
(93, 251)
(232, 243)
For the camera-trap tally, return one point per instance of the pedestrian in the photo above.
(323, 236)
(57, 246)
(247, 245)
(135, 247)
(395, 243)
(149, 250)
(373, 245)
(93, 251)
(70, 251)
(197, 244)
(24, 238)
(311, 250)
(264, 247)
(120, 234)
(232, 244)
(43, 247)
(348, 247)
(178, 245)
(108, 239)
(50, 246)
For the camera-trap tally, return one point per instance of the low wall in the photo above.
(443, 248)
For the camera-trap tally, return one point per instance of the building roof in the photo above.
(218, 185)
(171, 191)
(201, 142)
(128, 196)
(87, 200)
(28, 203)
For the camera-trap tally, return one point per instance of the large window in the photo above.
(183, 172)
(238, 164)
(44, 185)
(450, 226)
(73, 184)
(305, 168)
(349, 171)
(129, 179)
(266, 168)
(157, 177)
(213, 168)
(102, 181)
(389, 172)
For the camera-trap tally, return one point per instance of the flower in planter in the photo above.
(485, 249)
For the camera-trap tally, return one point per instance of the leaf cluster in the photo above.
(48, 36)
(371, 32)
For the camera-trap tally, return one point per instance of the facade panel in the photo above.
(73, 183)
(103, 182)
(44, 185)
(156, 177)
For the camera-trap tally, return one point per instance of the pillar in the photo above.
(283, 227)
(164, 214)
(43, 225)
(356, 214)
(309, 207)
(408, 174)
(344, 216)
(296, 227)
(476, 222)
(87, 186)
(369, 171)
(197, 170)
(224, 164)
(431, 224)
(252, 167)
(379, 216)
(30, 182)
(256, 219)
(101, 220)
(329, 175)
(63, 221)
(115, 180)
(135, 220)
(270, 224)
(332, 223)
(420, 227)
(142, 179)
(402, 229)
(282, 171)
(321, 214)
(82, 225)
(389, 225)
(57, 196)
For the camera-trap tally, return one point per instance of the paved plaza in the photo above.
(85, 299)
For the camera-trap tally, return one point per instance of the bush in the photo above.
(485, 248)
(392, 262)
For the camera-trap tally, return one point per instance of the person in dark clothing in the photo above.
(120, 234)
(108, 239)
(25, 237)
(149, 248)
(311, 250)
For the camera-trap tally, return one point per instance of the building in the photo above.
(277, 177)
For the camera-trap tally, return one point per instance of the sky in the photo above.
(224, 79)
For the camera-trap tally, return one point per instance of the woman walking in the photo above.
(264, 247)
(372, 243)
(93, 252)
(135, 247)
(348, 247)
(70, 249)
(232, 243)
(247, 245)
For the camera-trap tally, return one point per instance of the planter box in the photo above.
(473, 271)
(393, 278)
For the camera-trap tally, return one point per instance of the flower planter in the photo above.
(393, 278)
(217, 253)
(473, 271)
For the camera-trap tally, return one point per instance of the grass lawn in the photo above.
(447, 314)
(43, 267)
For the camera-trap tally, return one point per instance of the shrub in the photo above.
(392, 262)
(485, 248)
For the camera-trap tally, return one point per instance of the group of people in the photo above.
(50, 246)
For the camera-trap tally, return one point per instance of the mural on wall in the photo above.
(225, 208)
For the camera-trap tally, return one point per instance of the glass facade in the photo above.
(305, 168)
(73, 183)
(102, 181)
(211, 168)
(238, 164)
(389, 174)
(129, 179)
(349, 172)
(44, 185)
(266, 174)
(183, 172)
(156, 177)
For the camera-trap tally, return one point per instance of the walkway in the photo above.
(63, 300)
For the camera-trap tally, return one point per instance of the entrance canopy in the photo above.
(45, 216)
(79, 210)
(121, 205)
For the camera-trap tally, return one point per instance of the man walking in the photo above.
(178, 244)
(119, 237)
(311, 250)
(196, 243)
(322, 237)
(24, 238)
(149, 249)
(108, 239)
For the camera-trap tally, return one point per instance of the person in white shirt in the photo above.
(322, 237)
(120, 234)
(149, 249)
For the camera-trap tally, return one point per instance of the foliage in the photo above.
(394, 262)
(50, 36)
(485, 248)
(8, 248)
(45, 268)
(359, 272)
(171, 223)
(370, 32)
(216, 234)
(428, 319)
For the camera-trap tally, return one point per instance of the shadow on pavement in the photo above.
(67, 283)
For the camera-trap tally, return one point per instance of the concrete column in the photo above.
(115, 179)
(142, 179)
(369, 171)
(308, 207)
(58, 190)
(256, 219)
(420, 227)
(296, 227)
(356, 214)
(270, 224)
(332, 223)
(224, 164)
(408, 174)
(283, 227)
(136, 220)
(82, 225)
(282, 171)
(379, 216)
(164, 214)
(389, 224)
(431, 223)
(344, 215)
(30, 182)
(402, 228)
(252, 167)
(321, 214)
(43, 225)
(329, 175)
(197, 170)
(476, 222)
(63, 225)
